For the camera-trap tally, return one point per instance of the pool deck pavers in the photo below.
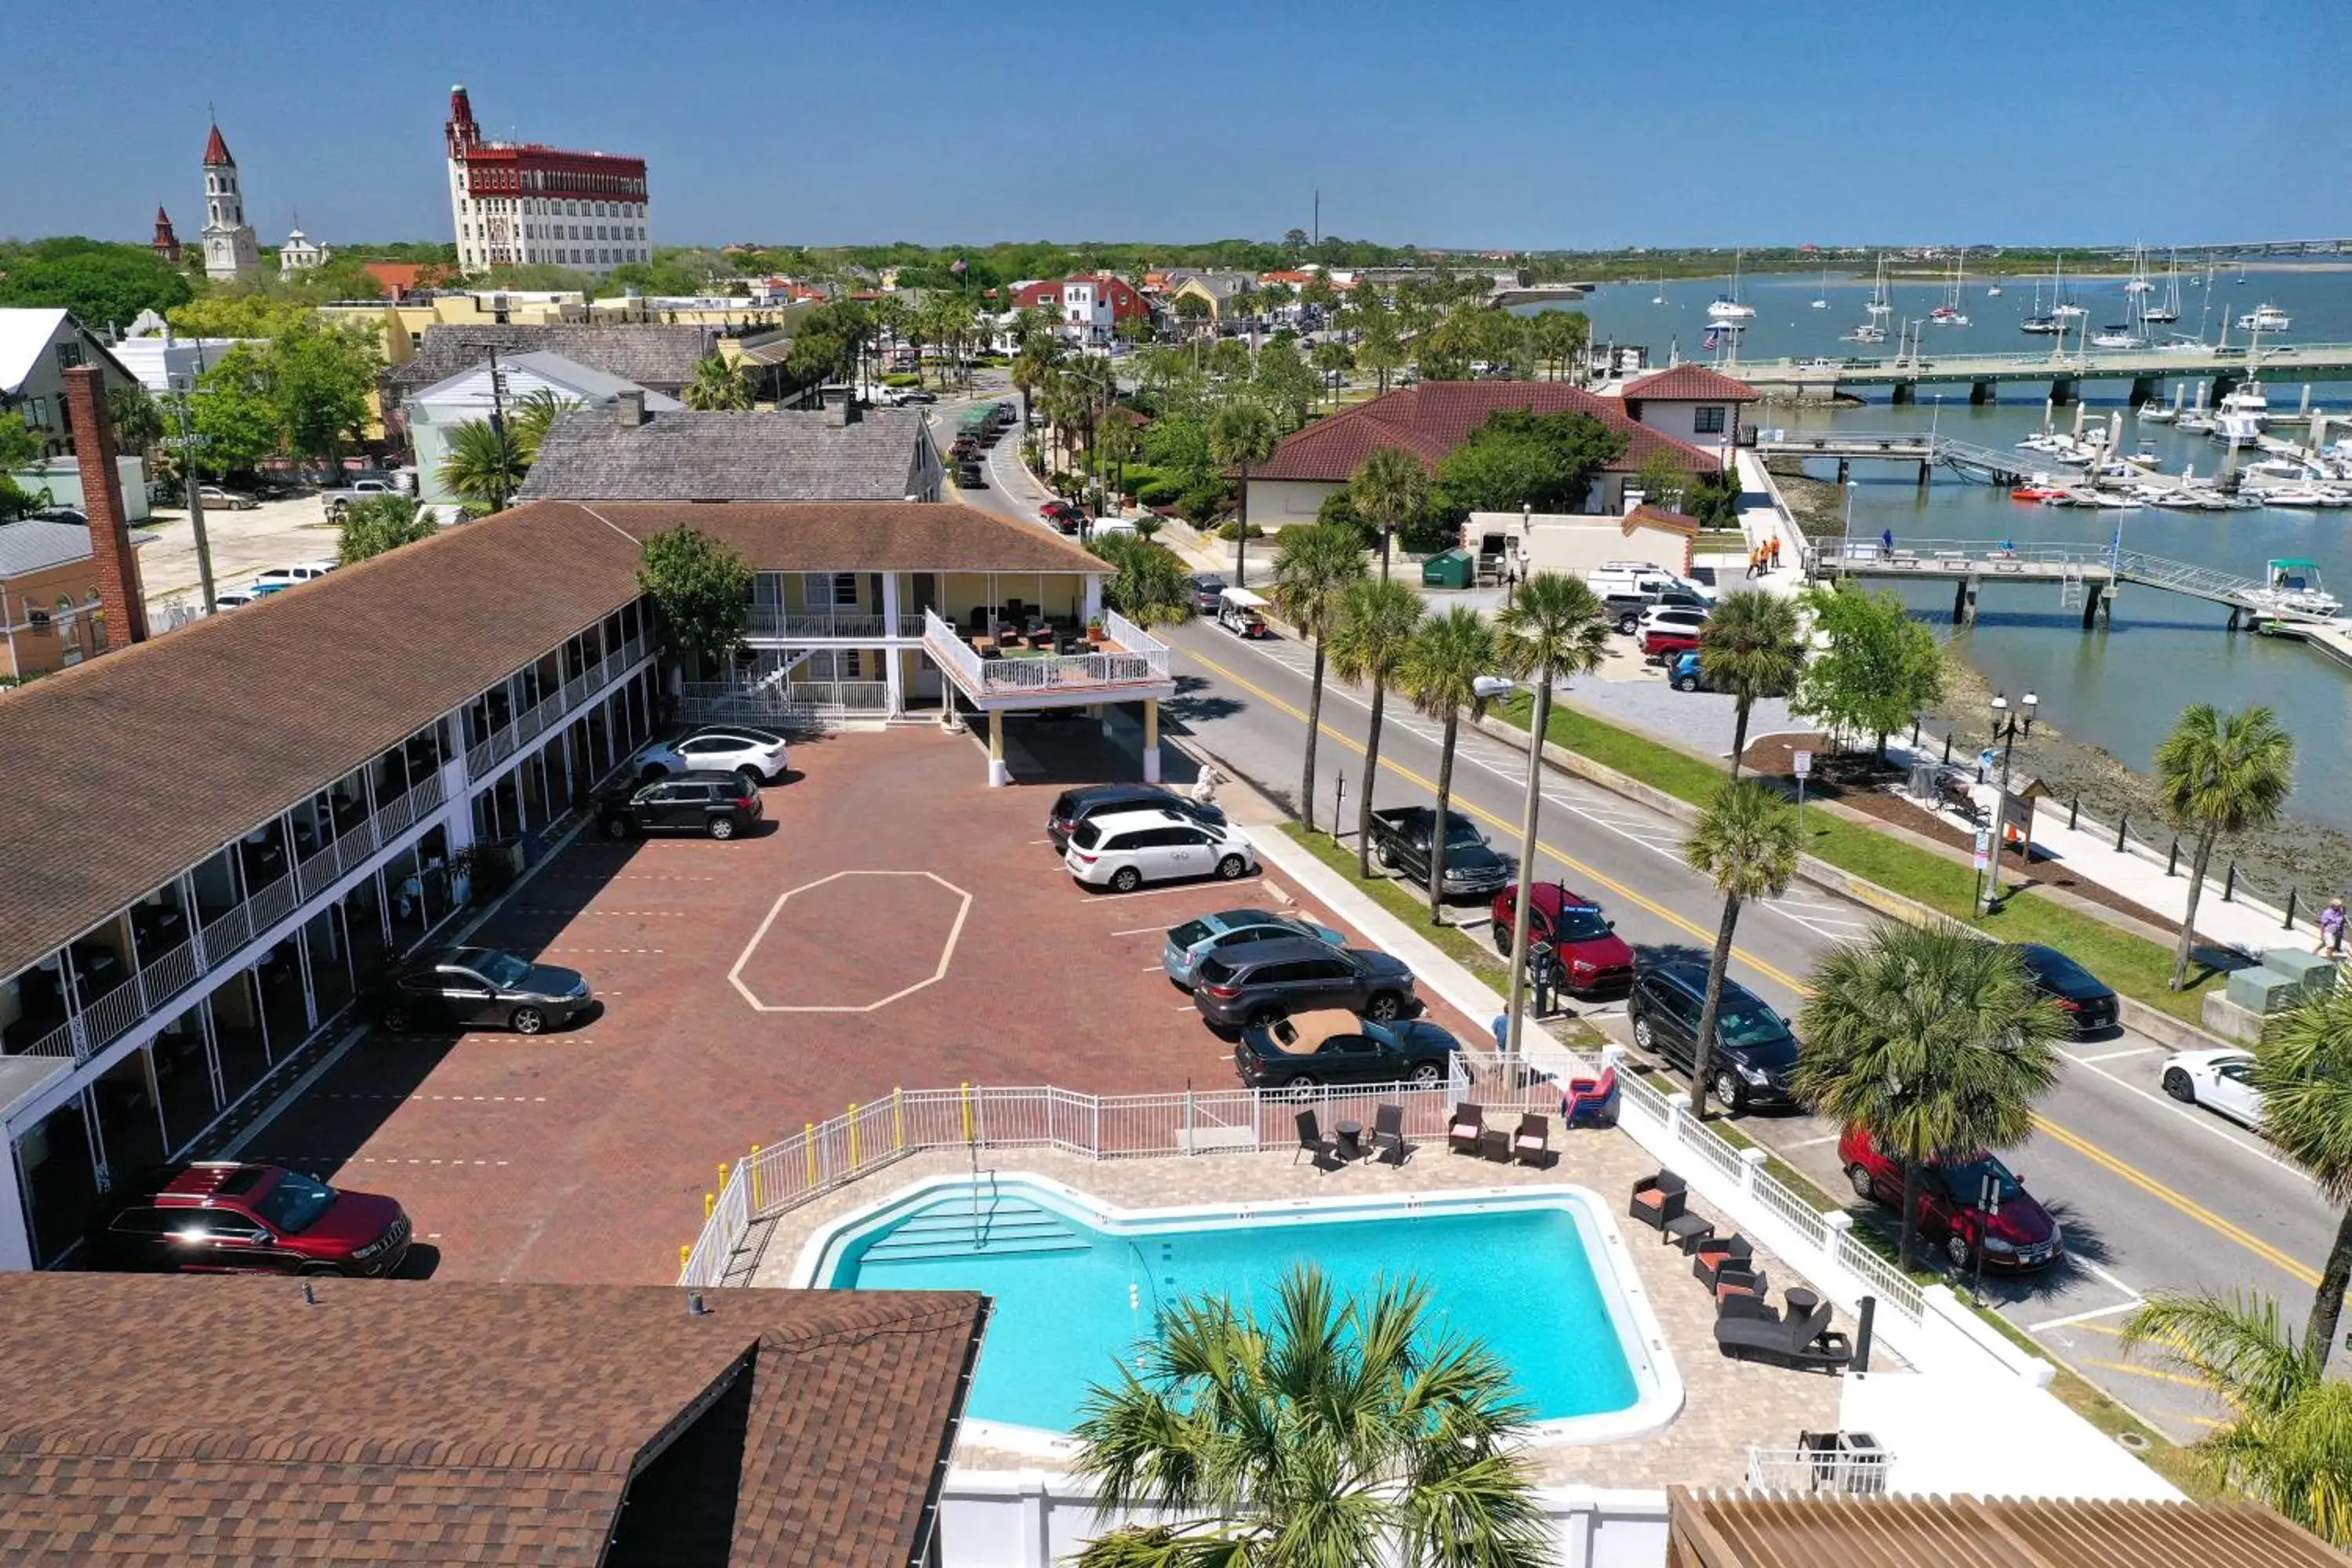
(1726, 1405)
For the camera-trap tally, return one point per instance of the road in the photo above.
(2154, 1195)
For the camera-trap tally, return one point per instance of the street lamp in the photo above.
(1851, 486)
(2007, 728)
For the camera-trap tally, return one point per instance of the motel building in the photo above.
(219, 837)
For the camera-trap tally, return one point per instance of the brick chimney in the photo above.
(629, 407)
(110, 553)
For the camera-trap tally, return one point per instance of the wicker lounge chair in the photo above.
(1804, 1341)
(1716, 1253)
(1388, 1145)
(1657, 1199)
(1531, 1144)
(1463, 1129)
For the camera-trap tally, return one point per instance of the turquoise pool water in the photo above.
(1071, 1296)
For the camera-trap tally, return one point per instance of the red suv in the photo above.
(1061, 515)
(2021, 1234)
(223, 1217)
(1592, 953)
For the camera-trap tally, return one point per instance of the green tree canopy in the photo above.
(1751, 648)
(233, 411)
(239, 315)
(2303, 1068)
(1518, 459)
(1745, 842)
(1148, 584)
(105, 286)
(373, 525)
(2220, 773)
(716, 386)
(319, 378)
(703, 590)
(1880, 669)
(484, 464)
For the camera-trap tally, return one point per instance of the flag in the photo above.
(957, 268)
(1714, 340)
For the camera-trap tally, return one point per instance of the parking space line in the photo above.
(2181, 1378)
(1147, 892)
(2083, 1320)
(1141, 930)
(2111, 1055)
(1810, 1142)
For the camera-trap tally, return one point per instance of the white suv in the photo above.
(757, 755)
(1122, 850)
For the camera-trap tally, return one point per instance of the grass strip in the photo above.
(2135, 966)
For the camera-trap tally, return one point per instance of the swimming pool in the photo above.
(1540, 1275)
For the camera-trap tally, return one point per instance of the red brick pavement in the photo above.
(584, 1155)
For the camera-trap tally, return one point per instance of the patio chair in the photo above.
(1735, 1280)
(1590, 1101)
(978, 620)
(1531, 1144)
(1804, 1341)
(1312, 1142)
(1710, 1258)
(1657, 1199)
(1388, 1145)
(1462, 1131)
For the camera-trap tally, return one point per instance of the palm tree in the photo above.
(2215, 773)
(528, 422)
(2289, 1440)
(1554, 630)
(484, 464)
(1934, 1041)
(716, 386)
(1148, 582)
(1375, 627)
(1750, 648)
(1119, 445)
(2303, 1069)
(1390, 489)
(1440, 672)
(1031, 368)
(1745, 842)
(1313, 565)
(1241, 435)
(1330, 1432)
(138, 417)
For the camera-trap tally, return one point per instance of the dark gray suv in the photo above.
(1268, 979)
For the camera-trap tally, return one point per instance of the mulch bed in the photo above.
(1861, 781)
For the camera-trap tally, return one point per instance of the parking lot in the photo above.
(893, 922)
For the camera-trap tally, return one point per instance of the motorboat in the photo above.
(2197, 422)
(2041, 324)
(2292, 584)
(2158, 413)
(2297, 496)
(2144, 456)
(1992, 290)
(2039, 491)
(2265, 318)
(1867, 332)
(2117, 336)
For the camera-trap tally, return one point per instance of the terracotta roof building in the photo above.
(1430, 421)
(596, 1425)
(1693, 403)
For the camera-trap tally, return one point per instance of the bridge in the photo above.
(1982, 374)
(1992, 465)
(2085, 575)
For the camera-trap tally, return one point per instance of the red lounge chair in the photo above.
(1590, 1101)
(1657, 1199)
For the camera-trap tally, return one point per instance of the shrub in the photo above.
(1232, 529)
(1203, 502)
(1158, 492)
(902, 378)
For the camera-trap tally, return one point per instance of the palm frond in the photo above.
(2240, 1345)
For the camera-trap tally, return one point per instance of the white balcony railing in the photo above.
(1132, 658)
(767, 624)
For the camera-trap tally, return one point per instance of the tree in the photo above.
(716, 386)
(1374, 628)
(1558, 336)
(1390, 490)
(1192, 310)
(1332, 1432)
(1879, 669)
(1241, 436)
(1033, 367)
(375, 524)
(2303, 1068)
(1553, 630)
(1745, 842)
(1331, 358)
(703, 590)
(1148, 582)
(1934, 1042)
(138, 417)
(1439, 673)
(1661, 479)
(1516, 460)
(318, 379)
(19, 446)
(238, 315)
(1118, 445)
(105, 286)
(1750, 648)
(232, 411)
(529, 420)
(2219, 774)
(484, 464)
(2288, 1443)
(1312, 567)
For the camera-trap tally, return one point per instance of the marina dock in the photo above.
(1982, 375)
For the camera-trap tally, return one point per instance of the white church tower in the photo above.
(230, 251)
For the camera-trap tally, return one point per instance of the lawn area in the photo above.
(2135, 966)
(1407, 905)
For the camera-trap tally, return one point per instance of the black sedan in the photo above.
(1329, 1045)
(468, 987)
(2087, 1000)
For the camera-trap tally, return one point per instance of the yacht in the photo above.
(2167, 309)
(2238, 422)
(1867, 332)
(2117, 335)
(2065, 308)
(1729, 307)
(2158, 412)
(2294, 585)
(1822, 300)
(2265, 318)
(1949, 313)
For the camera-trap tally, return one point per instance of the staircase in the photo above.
(2070, 587)
(999, 1226)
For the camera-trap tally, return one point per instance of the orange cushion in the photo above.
(1650, 1197)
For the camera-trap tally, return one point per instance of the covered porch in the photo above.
(1027, 669)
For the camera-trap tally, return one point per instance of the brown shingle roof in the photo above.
(870, 536)
(1690, 383)
(128, 768)
(1432, 420)
(415, 1422)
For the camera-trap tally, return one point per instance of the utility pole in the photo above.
(499, 422)
(187, 443)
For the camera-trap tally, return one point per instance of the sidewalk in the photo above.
(1763, 520)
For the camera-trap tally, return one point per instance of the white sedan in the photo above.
(757, 755)
(2224, 1079)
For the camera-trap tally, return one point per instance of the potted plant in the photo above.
(1094, 631)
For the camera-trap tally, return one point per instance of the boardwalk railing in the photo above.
(1948, 556)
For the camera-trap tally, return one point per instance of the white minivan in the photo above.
(1122, 850)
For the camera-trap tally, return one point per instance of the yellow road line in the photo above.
(2181, 1378)
(2185, 1205)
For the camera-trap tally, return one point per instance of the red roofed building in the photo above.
(521, 203)
(1692, 403)
(1430, 421)
(399, 277)
(1089, 308)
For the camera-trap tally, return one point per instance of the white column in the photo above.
(894, 677)
(1151, 740)
(998, 773)
(1094, 596)
(457, 810)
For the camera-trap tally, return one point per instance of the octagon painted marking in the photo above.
(947, 949)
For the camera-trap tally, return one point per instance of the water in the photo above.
(2119, 687)
(1071, 1297)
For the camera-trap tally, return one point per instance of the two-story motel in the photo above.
(213, 842)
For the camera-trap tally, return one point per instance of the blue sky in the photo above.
(1458, 123)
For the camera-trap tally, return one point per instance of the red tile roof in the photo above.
(1690, 383)
(397, 277)
(1432, 420)
(216, 151)
(1659, 516)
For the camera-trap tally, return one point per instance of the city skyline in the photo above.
(1539, 130)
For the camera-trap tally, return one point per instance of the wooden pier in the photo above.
(2087, 577)
(1982, 375)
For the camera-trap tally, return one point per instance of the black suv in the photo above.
(1754, 1051)
(1268, 979)
(720, 804)
(1073, 807)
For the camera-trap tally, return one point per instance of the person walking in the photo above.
(1775, 549)
(2331, 930)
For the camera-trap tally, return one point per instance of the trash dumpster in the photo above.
(1451, 570)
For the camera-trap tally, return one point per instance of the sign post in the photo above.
(1988, 1202)
(1802, 763)
(1983, 853)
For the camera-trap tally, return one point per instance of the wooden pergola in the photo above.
(1779, 1529)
